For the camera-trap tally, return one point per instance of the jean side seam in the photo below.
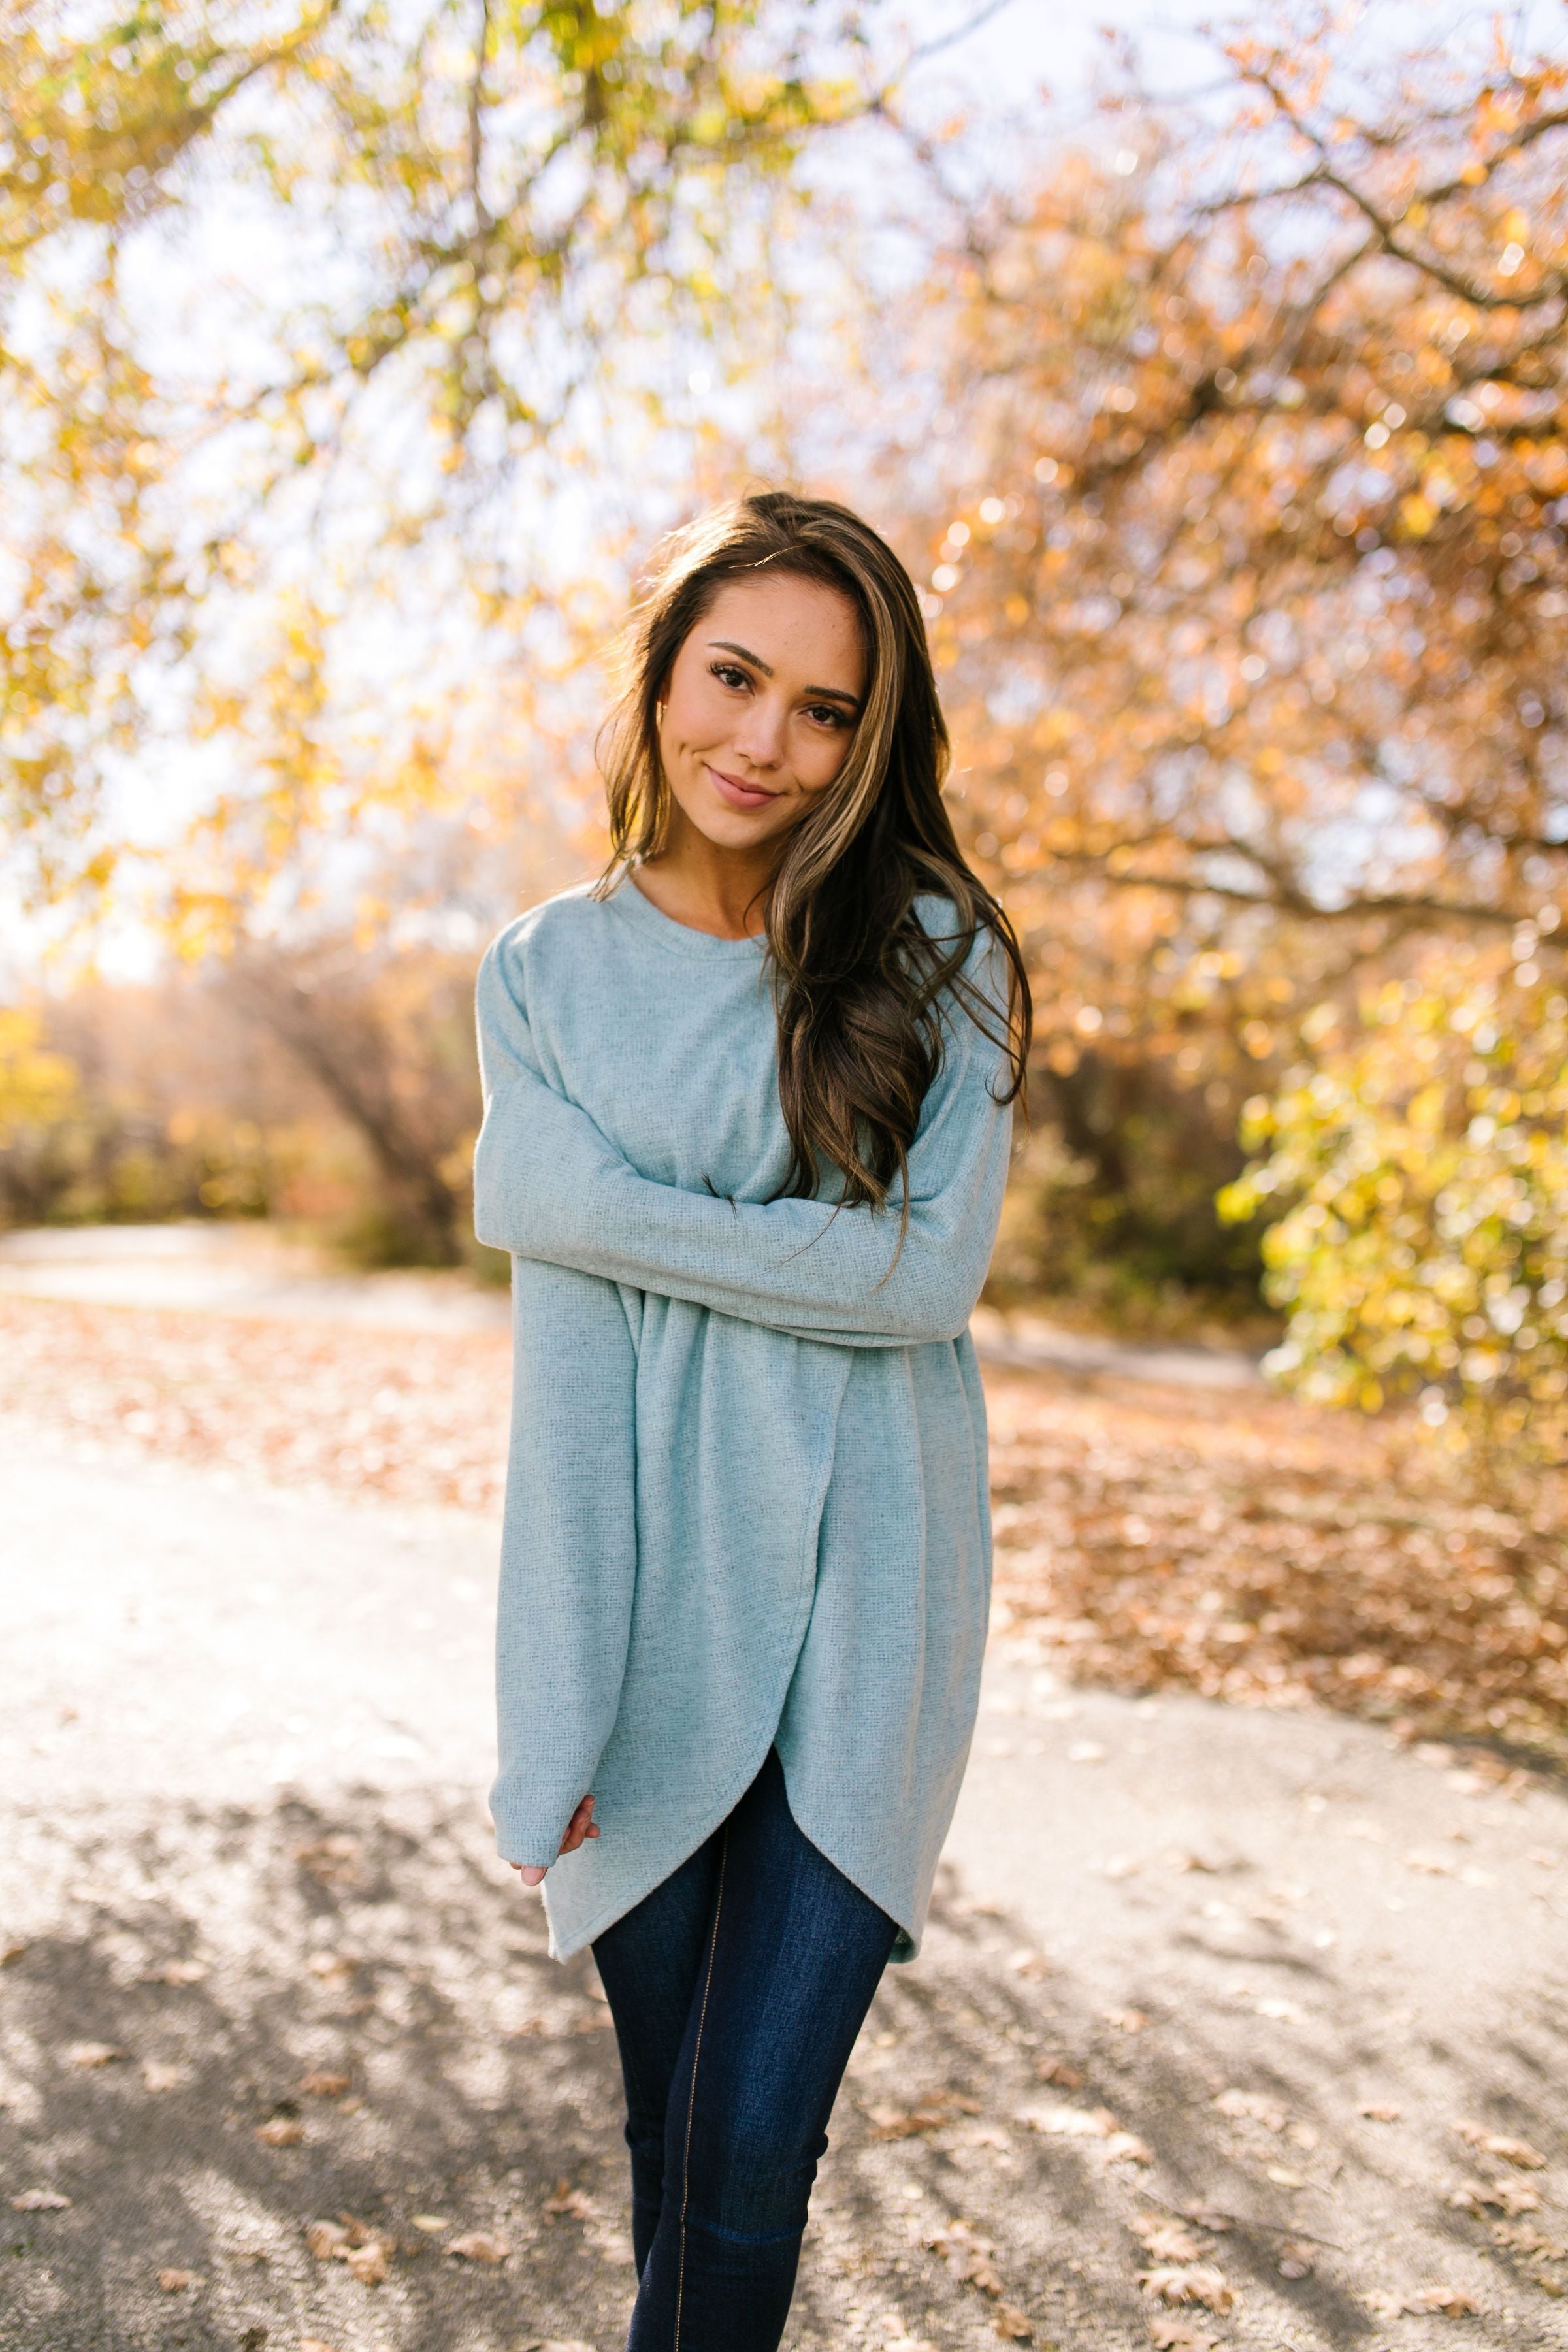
(691, 2100)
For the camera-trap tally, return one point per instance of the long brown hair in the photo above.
(858, 977)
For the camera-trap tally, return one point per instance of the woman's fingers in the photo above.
(581, 1825)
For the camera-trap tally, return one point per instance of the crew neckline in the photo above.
(679, 939)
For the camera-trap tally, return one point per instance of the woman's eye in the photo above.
(728, 674)
(827, 714)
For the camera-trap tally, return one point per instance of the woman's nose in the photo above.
(761, 735)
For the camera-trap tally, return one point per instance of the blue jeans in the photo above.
(737, 1988)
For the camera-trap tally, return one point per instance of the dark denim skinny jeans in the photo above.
(737, 1988)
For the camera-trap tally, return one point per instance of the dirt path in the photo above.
(244, 1735)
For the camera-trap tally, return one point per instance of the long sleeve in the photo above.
(569, 1561)
(549, 1187)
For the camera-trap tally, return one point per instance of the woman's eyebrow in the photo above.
(723, 646)
(826, 693)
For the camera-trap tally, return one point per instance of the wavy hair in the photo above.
(858, 977)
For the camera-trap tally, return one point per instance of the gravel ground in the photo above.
(1220, 2009)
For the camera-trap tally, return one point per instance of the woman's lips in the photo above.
(739, 795)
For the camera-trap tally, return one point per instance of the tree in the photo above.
(305, 313)
(1236, 471)
(1250, 571)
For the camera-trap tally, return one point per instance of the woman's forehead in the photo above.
(790, 623)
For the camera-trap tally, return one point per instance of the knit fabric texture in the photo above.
(747, 1499)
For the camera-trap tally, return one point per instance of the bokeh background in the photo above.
(1212, 377)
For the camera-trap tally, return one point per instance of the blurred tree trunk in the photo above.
(326, 1012)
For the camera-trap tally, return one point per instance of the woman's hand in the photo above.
(581, 1825)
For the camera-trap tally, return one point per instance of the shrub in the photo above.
(1423, 1155)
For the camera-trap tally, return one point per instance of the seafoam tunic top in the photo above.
(746, 1497)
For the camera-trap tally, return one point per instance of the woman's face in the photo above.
(759, 709)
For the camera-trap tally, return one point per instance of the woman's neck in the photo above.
(696, 882)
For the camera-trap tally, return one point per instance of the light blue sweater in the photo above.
(746, 1497)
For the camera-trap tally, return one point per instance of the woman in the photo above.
(746, 1131)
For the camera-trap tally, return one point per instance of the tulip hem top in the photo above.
(747, 1500)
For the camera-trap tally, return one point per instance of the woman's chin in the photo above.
(733, 828)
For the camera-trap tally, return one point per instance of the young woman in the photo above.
(746, 1130)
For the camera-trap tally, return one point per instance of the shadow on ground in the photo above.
(347, 2016)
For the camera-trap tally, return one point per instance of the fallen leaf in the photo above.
(1028, 1964)
(1282, 2013)
(9, 1952)
(1165, 2241)
(1126, 2148)
(318, 2085)
(480, 2246)
(1065, 2076)
(1511, 2151)
(1434, 1866)
(567, 2200)
(1208, 2217)
(430, 2221)
(1188, 2282)
(180, 1973)
(938, 2108)
(1283, 2177)
(1525, 2238)
(330, 1964)
(158, 2076)
(1377, 2113)
(282, 2131)
(1508, 2196)
(330, 1861)
(967, 2256)
(1168, 2333)
(93, 2053)
(981, 2136)
(39, 2200)
(1070, 2123)
(1253, 2106)
(1450, 2302)
(353, 2243)
(1296, 2259)
(171, 2282)
(1013, 2325)
(1126, 2020)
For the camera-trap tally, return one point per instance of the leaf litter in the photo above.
(1441, 2301)
(367, 2252)
(1288, 1555)
(1497, 2144)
